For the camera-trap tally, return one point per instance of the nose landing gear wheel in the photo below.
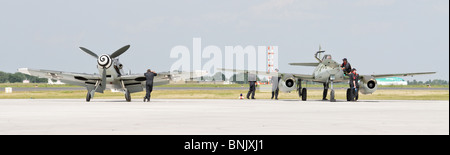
(332, 99)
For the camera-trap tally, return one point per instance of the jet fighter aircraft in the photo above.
(327, 72)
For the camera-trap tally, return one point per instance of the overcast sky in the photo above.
(377, 36)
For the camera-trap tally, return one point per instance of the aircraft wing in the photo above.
(139, 79)
(314, 64)
(401, 74)
(249, 71)
(299, 76)
(135, 82)
(304, 77)
(79, 79)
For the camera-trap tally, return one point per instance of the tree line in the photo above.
(429, 82)
(19, 77)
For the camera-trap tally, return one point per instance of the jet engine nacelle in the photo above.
(368, 85)
(287, 83)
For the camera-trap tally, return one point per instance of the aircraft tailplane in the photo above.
(314, 64)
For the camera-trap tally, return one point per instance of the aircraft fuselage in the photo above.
(325, 70)
(113, 71)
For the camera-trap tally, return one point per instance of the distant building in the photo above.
(392, 81)
(26, 81)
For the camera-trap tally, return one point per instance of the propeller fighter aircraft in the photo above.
(112, 76)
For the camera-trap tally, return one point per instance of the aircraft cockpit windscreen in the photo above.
(326, 57)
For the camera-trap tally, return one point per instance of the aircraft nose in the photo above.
(331, 63)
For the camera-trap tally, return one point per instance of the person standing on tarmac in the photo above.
(149, 84)
(354, 85)
(346, 67)
(275, 81)
(252, 83)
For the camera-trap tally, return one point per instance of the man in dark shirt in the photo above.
(149, 84)
(252, 82)
(354, 85)
(275, 81)
(346, 67)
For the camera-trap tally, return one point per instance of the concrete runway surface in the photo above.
(219, 117)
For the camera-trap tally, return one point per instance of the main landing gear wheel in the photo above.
(304, 94)
(128, 96)
(88, 97)
(349, 94)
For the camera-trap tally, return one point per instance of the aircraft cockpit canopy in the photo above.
(326, 57)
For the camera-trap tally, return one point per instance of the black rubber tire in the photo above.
(353, 96)
(349, 94)
(304, 94)
(88, 97)
(127, 96)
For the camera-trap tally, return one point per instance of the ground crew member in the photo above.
(149, 84)
(346, 67)
(354, 85)
(325, 91)
(275, 81)
(252, 83)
